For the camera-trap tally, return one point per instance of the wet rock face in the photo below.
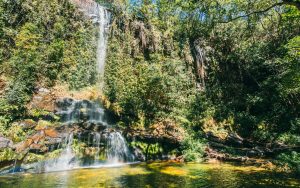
(138, 153)
(90, 8)
(64, 103)
(86, 5)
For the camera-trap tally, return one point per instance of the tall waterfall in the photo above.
(103, 20)
(101, 16)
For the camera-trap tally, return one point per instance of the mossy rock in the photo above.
(31, 158)
(42, 124)
(28, 123)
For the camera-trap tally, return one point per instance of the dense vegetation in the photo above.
(218, 66)
(41, 43)
(208, 66)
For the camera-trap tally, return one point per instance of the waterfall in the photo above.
(117, 150)
(66, 160)
(89, 121)
(103, 20)
(82, 112)
(97, 142)
(101, 16)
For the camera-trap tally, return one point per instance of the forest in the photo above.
(186, 81)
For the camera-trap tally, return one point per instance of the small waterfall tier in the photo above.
(90, 115)
(88, 125)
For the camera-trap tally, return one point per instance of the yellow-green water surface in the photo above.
(156, 175)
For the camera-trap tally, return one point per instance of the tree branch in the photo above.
(295, 3)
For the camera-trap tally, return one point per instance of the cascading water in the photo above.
(66, 160)
(82, 111)
(101, 16)
(117, 150)
(95, 129)
(97, 142)
(104, 19)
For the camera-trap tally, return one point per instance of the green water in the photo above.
(155, 175)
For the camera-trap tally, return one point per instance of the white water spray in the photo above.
(66, 160)
(72, 112)
(117, 150)
(101, 16)
(97, 142)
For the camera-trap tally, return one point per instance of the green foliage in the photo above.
(291, 159)
(289, 139)
(148, 149)
(200, 110)
(250, 80)
(32, 158)
(6, 113)
(38, 112)
(193, 148)
(7, 154)
(252, 74)
(54, 154)
(146, 79)
(15, 133)
(151, 90)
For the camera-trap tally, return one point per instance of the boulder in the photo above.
(5, 143)
(64, 103)
(43, 90)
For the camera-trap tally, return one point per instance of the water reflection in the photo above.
(156, 175)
